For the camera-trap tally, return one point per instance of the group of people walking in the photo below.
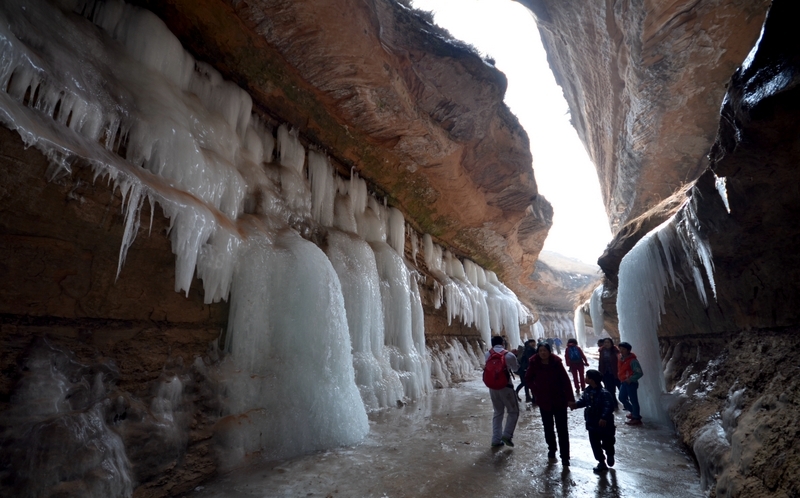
(546, 383)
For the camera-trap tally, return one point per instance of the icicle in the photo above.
(397, 231)
(721, 183)
(414, 244)
(323, 188)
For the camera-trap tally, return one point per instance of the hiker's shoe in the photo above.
(634, 421)
(601, 467)
(497, 444)
(552, 456)
(628, 415)
(507, 441)
(610, 460)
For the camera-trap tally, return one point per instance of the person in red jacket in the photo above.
(552, 391)
(629, 371)
(576, 361)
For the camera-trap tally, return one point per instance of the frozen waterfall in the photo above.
(315, 339)
(644, 275)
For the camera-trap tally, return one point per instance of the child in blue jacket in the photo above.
(599, 416)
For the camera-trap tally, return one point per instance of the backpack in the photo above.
(574, 354)
(495, 374)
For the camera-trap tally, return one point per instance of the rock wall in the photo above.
(110, 345)
(730, 365)
(644, 81)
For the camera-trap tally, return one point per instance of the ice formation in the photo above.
(475, 295)
(452, 362)
(290, 381)
(722, 187)
(596, 310)
(128, 100)
(644, 274)
(580, 328)
(557, 324)
(538, 330)
(69, 408)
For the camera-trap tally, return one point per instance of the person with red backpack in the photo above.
(497, 377)
(576, 361)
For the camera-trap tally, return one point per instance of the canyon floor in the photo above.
(440, 446)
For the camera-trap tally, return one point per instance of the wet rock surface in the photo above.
(440, 446)
(737, 406)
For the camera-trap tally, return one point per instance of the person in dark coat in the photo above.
(527, 353)
(599, 417)
(609, 357)
(553, 392)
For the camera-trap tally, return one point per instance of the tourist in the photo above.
(551, 387)
(629, 371)
(504, 399)
(576, 361)
(599, 416)
(523, 366)
(557, 343)
(609, 356)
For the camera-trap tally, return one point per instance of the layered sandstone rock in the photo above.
(644, 81)
(383, 90)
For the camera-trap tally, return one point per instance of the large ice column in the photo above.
(290, 379)
(644, 274)
(418, 331)
(396, 297)
(596, 310)
(580, 328)
(354, 262)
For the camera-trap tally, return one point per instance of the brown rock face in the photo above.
(732, 364)
(381, 89)
(644, 81)
(110, 344)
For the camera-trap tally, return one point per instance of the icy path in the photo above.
(439, 447)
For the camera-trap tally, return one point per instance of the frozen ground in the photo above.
(440, 446)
